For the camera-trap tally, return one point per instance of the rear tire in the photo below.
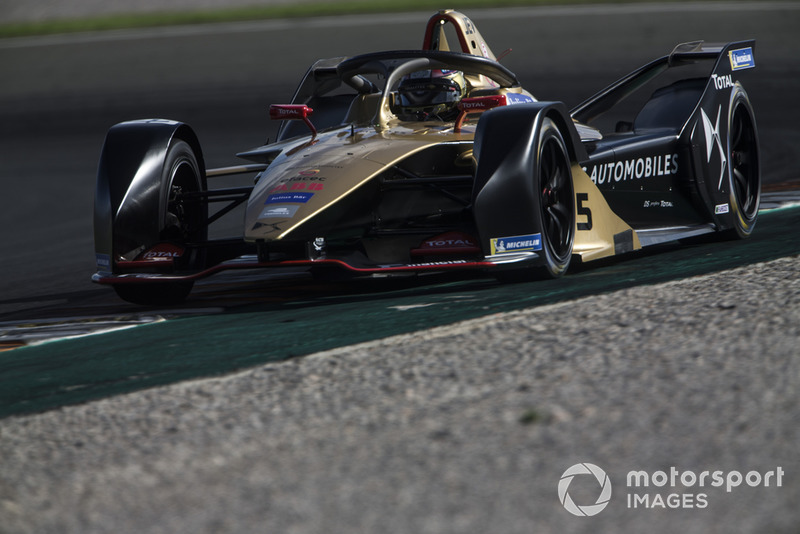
(744, 173)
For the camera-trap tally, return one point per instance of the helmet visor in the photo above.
(420, 94)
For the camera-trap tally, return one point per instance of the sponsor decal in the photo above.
(516, 98)
(722, 82)
(658, 204)
(283, 211)
(623, 170)
(103, 262)
(298, 186)
(424, 264)
(519, 243)
(449, 240)
(481, 103)
(742, 58)
(331, 166)
(305, 180)
(289, 111)
(719, 209)
(163, 252)
(308, 172)
(448, 243)
(286, 198)
(437, 263)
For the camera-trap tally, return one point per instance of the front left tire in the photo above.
(553, 207)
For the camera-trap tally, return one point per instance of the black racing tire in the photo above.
(183, 222)
(553, 184)
(744, 165)
(557, 201)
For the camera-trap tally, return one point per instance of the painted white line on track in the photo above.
(39, 332)
(89, 333)
(779, 200)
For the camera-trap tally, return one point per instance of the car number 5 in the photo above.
(584, 210)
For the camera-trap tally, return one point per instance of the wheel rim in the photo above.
(557, 208)
(744, 162)
(183, 218)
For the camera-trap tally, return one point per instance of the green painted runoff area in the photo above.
(44, 377)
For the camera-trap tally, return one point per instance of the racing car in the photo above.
(437, 159)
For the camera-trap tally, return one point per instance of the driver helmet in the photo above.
(431, 94)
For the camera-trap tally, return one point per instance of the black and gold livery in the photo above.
(478, 174)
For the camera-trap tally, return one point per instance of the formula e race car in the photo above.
(436, 159)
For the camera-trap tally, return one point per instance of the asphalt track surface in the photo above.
(66, 93)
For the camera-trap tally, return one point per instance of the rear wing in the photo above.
(729, 60)
(739, 55)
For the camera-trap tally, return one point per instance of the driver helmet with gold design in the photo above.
(431, 95)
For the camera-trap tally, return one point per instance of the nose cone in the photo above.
(293, 191)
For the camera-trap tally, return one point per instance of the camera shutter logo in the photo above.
(590, 509)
